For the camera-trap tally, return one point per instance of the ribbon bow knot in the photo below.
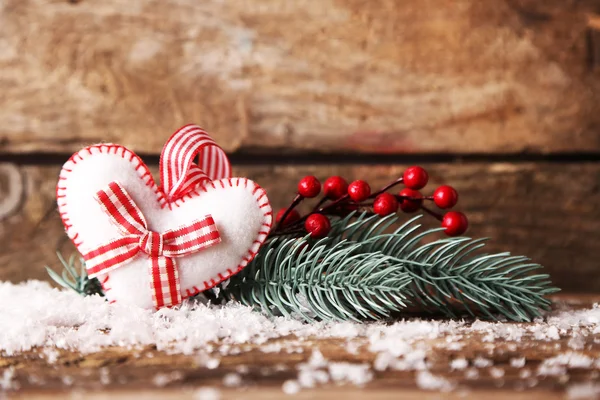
(152, 243)
(179, 175)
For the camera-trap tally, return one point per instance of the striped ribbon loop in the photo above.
(178, 172)
(162, 248)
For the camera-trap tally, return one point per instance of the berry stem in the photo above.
(435, 215)
(388, 187)
(333, 204)
(319, 204)
(297, 200)
(400, 197)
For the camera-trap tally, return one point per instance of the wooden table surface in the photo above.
(268, 393)
(120, 372)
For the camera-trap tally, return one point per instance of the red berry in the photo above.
(309, 186)
(385, 204)
(415, 178)
(445, 197)
(292, 216)
(455, 222)
(317, 225)
(335, 187)
(359, 191)
(410, 205)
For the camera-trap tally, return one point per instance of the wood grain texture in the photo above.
(547, 211)
(429, 76)
(275, 393)
(263, 372)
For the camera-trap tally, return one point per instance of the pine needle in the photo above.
(73, 279)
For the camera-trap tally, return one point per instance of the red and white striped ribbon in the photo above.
(162, 248)
(178, 173)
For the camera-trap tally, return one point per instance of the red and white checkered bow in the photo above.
(179, 175)
(162, 248)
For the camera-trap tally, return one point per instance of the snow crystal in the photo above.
(50, 354)
(426, 380)
(290, 387)
(68, 380)
(352, 347)
(472, 373)
(309, 378)
(7, 382)
(551, 370)
(496, 372)
(316, 360)
(459, 363)
(232, 380)
(541, 332)
(577, 342)
(455, 346)
(383, 361)
(161, 380)
(212, 363)
(34, 380)
(358, 374)
(104, 376)
(242, 369)
(570, 359)
(517, 362)
(583, 391)
(481, 362)
(524, 373)
(207, 393)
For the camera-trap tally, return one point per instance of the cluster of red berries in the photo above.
(349, 197)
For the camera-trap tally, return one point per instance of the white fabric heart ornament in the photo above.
(155, 246)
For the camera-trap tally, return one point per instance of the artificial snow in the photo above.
(428, 381)
(6, 381)
(161, 380)
(459, 363)
(517, 362)
(35, 315)
(207, 393)
(291, 387)
(583, 391)
(232, 380)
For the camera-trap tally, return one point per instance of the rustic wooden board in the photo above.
(546, 211)
(120, 371)
(269, 393)
(429, 76)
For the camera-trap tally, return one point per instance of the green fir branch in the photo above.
(361, 272)
(75, 278)
(331, 281)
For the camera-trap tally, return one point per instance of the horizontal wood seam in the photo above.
(311, 158)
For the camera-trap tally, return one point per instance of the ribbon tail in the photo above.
(111, 256)
(164, 282)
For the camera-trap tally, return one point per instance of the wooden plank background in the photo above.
(510, 86)
(431, 76)
(518, 205)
